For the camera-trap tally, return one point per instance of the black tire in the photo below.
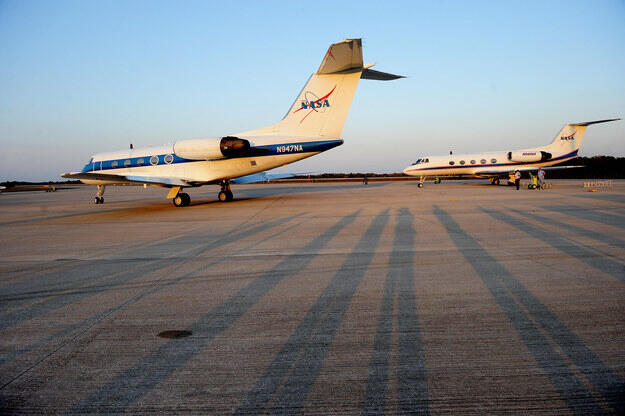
(419, 185)
(186, 199)
(222, 196)
(229, 196)
(96, 200)
(178, 200)
(496, 181)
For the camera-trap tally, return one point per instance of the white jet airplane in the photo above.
(312, 125)
(496, 165)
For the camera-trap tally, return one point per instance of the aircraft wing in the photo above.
(262, 177)
(505, 172)
(150, 180)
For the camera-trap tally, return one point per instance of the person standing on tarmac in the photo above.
(517, 179)
(541, 178)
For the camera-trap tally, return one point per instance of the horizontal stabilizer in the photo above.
(378, 75)
(588, 123)
(150, 180)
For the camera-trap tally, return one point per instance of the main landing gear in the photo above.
(225, 195)
(182, 200)
(99, 198)
(494, 181)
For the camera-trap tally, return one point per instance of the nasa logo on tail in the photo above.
(312, 103)
(570, 137)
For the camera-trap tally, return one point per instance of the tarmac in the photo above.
(314, 298)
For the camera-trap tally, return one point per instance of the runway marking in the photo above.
(129, 386)
(300, 360)
(588, 214)
(599, 262)
(613, 241)
(411, 373)
(503, 285)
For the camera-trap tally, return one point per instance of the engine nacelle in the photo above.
(529, 156)
(205, 149)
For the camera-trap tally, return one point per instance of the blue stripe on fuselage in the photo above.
(569, 155)
(256, 151)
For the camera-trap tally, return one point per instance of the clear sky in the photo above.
(77, 78)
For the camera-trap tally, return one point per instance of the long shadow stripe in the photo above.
(129, 386)
(412, 383)
(493, 274)
(412, 391)
(97, 317)
(613, 241)
(305, 351)
(604, 380)
(593, 259)
(588, 214)
(109, 282)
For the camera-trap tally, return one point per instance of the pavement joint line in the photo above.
(498, 280)
(30, 347)
(573, 347)
(411, 374)
(565, 245)
(140, 379)
(587, 214)
(117, 277)
(615, 241)
(89, 323)
(323, 321)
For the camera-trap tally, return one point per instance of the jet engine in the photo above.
(529, 156)
(205, 149)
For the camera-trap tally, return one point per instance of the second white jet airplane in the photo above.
(497, 165)
(312, 125)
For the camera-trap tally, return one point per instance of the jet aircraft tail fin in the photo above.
(569, 139)
(321, 108)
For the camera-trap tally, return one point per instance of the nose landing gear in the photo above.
(99, 198)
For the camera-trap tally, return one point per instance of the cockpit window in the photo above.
(421, 160)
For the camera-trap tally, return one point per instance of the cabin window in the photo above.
(114, 164)
(451, 162)
(493, 160)
(127, 163)
(473, 162)
(462, 162)
(483, 161)
(140, 162)
(154, 160)
(168, 159)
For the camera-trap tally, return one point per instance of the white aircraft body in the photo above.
(312, 125)
(496, 165)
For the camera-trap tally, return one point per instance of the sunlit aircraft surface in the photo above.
(497, 165)
(312, 125)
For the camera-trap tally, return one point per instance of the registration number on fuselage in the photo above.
(289, 148)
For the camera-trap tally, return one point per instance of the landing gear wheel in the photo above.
(419, 185)
(98, 200)
(496, 181)
(186, 199)
(223, 196)
(229, 195)
(181, 200)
